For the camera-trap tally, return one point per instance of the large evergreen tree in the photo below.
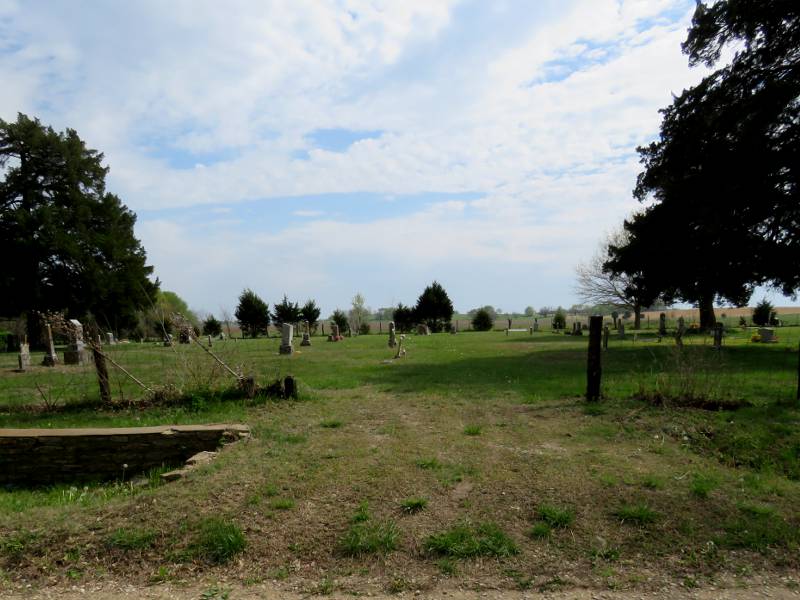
(434, 307)
(252, 314)
(724, 173)
(68, 244)
(286, 311)
(310, 312)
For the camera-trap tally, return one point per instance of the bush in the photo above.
(763, 312)
(404, 318)
(434, 307)
(219, 540)
(340, 318)
(364, 329)
(211, 326)
(560, 319)
(482, 321)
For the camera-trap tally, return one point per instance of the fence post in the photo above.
(593, 368)
(798, 373)
(102, 375)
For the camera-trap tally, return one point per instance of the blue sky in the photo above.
(320, 149)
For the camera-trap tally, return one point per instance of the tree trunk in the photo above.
(707, 318)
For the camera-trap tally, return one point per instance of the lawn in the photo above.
(471, 460)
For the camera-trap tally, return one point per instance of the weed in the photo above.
(467, 540)
(398, 585)
(14, 546)
(161, 575)
(362, 513)
(324, 588)
(281, 504)
(652, 482)
(540, 530)
(701, 485)
(271, 490)
(555, 517)
(606, 553)
(758, 528)
(132, 539)
(279, 573)
(215, 593)
(218, 540)
(636, 514)
(331, 424)
(447, 566)
(523, 582)
(473, 430)
(370, 538)
(429, 464)
(413, 505)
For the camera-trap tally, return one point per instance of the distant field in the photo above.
(471, 461)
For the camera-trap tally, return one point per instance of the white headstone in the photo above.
(287, 333)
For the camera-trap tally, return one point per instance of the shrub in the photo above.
(252, 313)
(413, 505)
(340, 318)
(762, 312)
(434, 307)
(211, 326)
(482, 321)
(364, 329)
(404, 318)
(368, 538)
(560, 319)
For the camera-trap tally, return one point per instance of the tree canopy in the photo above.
(69, 244)
(252, 313)
(285, 311)
(723, 177)
(434, 307)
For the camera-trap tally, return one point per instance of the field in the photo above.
(472, 462)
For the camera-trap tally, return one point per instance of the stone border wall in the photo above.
(46, 456)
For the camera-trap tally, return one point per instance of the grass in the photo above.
(395, 434)
(636, 514)
(473, 430)
(218, 540)
(466, 540)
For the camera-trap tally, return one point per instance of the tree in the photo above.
(252, 314)
(529, 311)
(72, 242)
(359, 313)
(559, 319)
(310, 312)
(434, 307)
(286, 312)
(340, 318)
(488, 308)
(723, 175)
(482, 321)
(211, 326)
(763, 313)
(598, 285)
(404, 318)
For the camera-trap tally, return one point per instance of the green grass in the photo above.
(540, 530)
(466, 540)
(636, 514)
(132, 538)
(702, 485)
(413, 505)
(473, 430)
(555, 516)
(369, 538)
(217, 540)
(281, 504)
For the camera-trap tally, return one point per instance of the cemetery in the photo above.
(480, 430)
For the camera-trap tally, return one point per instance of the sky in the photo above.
(322, 148)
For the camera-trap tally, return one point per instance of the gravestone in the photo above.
(662, 324)
(536, 324)
(110, 339)
(621, 329)
(76, 353)
(287, 332)
(168, 340)
(767, 335)
(718, 331)
(24, 357)
(423, 329)
(209, 341)
(680, 331)
(50, 356)
(606, 333)
(183, 337)
(392, 335)
(306, 336)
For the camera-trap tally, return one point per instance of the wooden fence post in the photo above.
(102, 375)
(593, 368)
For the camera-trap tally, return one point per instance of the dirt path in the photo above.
(115, 591)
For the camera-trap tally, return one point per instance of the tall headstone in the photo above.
(110, 339)
(422, 329)
(662, 324)
(306, 335)
(24, 357)
(767, 335)
(50, 357)
(76, 353)
(536, 324)
(679, 332)
(718, 332)
(392, 335)
(287, 332)
(209, 342)
(334, 336)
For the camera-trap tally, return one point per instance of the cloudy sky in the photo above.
(322, 148)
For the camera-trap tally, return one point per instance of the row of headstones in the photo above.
(75, 354)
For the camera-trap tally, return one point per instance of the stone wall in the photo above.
(47, 456)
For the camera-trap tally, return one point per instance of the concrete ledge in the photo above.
(47, 456)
